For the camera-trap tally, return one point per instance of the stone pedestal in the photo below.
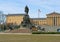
(26, 22)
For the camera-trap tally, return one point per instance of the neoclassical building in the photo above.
(14, 18)
(52, 19)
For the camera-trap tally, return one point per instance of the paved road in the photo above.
(47, 34)
(33, 34)
(18, 33)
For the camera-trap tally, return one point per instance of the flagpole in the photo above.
(38, 15)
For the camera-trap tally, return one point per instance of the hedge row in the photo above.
(45, 32)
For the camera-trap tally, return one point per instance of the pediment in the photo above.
(53, 13)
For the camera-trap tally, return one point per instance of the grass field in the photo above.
(28, 38)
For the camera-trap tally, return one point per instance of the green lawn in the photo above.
(28, 38)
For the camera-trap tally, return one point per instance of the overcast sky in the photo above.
(17, 6)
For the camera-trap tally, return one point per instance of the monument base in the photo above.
(20, 30)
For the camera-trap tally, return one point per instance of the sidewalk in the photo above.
(18, 33)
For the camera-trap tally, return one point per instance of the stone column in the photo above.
(55, 21)
(52, 21)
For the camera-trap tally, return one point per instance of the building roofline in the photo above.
(38, 18)
(15, 14)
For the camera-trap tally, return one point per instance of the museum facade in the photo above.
(52, 19)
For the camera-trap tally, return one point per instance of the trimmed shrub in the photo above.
(45, 32)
